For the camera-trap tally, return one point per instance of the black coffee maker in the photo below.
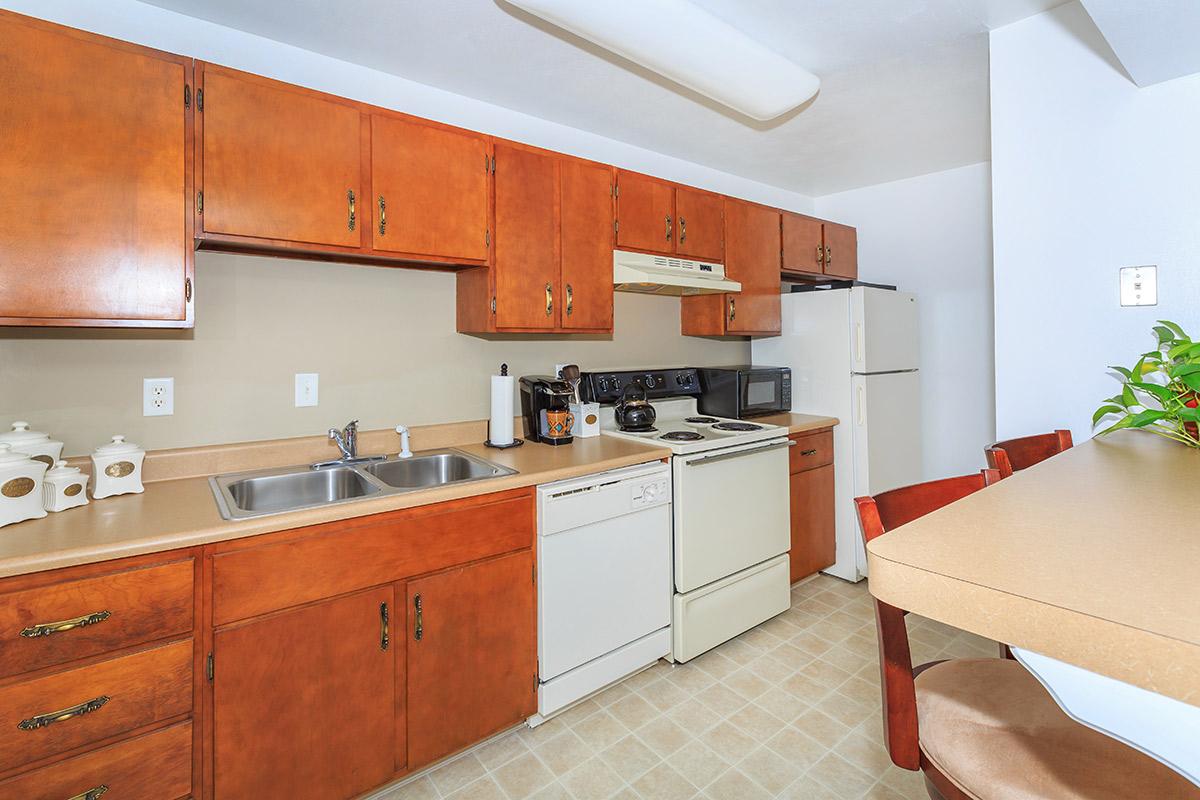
(546, 409)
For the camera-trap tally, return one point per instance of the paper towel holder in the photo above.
(516, 442)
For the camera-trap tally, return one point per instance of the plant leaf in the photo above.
(1192, 381)
(1127, 397)
(1146, 417)
(1123, 422)
(1179, 349)
(1164, 334)
(1161, 393)
(1103, 411)
(1183, 337)
(1125, 373)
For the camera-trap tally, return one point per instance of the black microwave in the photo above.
(745, 391)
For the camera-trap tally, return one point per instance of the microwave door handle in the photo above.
(722, 456)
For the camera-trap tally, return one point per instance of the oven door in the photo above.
(731, 510)
(764, 392)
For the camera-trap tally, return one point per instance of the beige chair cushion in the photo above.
(989, 726)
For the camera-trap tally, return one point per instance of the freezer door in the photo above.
(884, 333)
(887, 431)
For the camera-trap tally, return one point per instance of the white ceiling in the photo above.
(904, 82)
(1156, 40)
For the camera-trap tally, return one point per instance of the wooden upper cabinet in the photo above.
(841, 251)
(278, 163)
(304, 701)
(526, 263)
(430, 187)
(472, 654)
(700, 225)
(645, 213)
(95, 179)
(587, 245)
(752, 257)
(803, 245)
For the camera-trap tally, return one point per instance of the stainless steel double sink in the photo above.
(273, 491)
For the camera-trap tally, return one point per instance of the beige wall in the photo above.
(382, 339)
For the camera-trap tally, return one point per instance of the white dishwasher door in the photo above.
(604, 564)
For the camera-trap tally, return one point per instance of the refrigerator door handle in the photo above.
(861, 404)
(859, 342)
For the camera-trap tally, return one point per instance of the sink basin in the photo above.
(273, 491)
(437, 469)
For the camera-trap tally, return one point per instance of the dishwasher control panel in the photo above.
(651, 492)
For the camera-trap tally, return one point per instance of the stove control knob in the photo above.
(649, 492)
(650, 381)
(682, 378)
(602, 384)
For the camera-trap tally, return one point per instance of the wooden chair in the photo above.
(985, 727)
(1016, 454)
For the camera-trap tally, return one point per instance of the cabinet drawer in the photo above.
(156, 766)
(327, 560)
(56, 713)
(74, 619)
(811, 450)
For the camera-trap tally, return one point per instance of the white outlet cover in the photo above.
(158, 397)
(1139, 286)
(306, 389)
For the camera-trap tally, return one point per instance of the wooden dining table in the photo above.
(1088, 564)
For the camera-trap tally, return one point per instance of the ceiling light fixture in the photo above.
(685, 43)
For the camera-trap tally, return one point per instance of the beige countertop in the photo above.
(798, 423)
(1091, 557)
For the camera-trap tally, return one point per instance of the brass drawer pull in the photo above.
(385, 636)
(91, 794)
(42, 720)
(808, 452)
(350, 200)
(382, 216)
(47, 628)
(419, 624)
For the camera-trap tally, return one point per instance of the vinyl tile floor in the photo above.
(789, 709)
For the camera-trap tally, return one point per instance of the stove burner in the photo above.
(650, 429)
(701, 420)
(681, 436)
(737, 426)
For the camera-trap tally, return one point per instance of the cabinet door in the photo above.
(699, 220)
(431, 190)
(472, 654)
(95, 223)
(527, 223)
(279, 162)
(752, 258)
(841, 251)
(304, 701)
(645, 213)
(802, 244)
(587, 245)
(813, 542)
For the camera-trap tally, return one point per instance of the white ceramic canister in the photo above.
(20, 486)
(65, 487)
(117, 468)
(35, 444)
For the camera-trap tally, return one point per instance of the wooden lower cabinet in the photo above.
(812, 498)
(472, 655)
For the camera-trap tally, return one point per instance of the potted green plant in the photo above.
(1161, 393)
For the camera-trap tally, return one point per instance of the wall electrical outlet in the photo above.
(158, 397)
(1139, 286)
(306, 389)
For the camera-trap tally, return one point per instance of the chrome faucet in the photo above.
(347, 443)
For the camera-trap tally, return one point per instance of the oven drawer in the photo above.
(812, 450)
(79, 618)
(720, 611)
(69, 709)
(732, 510)
(156, 766)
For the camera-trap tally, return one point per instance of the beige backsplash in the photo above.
(382, 339)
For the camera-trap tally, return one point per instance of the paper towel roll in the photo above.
(500, 429)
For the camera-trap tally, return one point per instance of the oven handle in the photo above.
(736, 454)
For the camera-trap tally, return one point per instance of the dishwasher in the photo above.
(604, 581)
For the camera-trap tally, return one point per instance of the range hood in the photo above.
(647, 274)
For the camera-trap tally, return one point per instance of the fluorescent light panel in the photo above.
(685, 43)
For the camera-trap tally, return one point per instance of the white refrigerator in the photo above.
(854, 354)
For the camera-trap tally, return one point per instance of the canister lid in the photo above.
(10, 457)
(21, 435)
(117, 446)
(61, 470)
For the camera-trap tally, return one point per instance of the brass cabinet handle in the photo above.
(419, 623)
(42, 720)
(91, 794)
(47, 628)
(549, 299)
(570, 300)
(668, 227)
(385, 636)
(808, 452)
(732, 310)
(828, 256)
(820, 255)
(682, 230)
(350, 201)
(382, 216)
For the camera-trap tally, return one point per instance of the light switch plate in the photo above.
(1139, 286)
(158, 397)
(306, 389)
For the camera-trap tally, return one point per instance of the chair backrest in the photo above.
(1016, 454)
(877, 515)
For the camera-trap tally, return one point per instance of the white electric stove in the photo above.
(731, 512)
